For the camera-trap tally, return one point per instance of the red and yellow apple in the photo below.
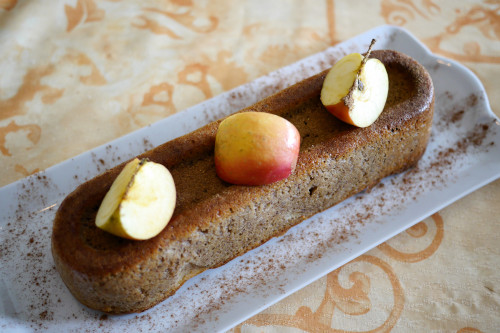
(140, 202)
(355, 89)
(255, 148)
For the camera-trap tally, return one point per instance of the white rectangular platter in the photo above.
(463, 155)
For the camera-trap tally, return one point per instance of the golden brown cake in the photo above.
(214, 221)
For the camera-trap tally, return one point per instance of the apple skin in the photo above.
(340, 111)
(255, 148)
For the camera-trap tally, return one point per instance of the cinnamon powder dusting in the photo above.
(456, 139)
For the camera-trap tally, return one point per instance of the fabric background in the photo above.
(76, 74)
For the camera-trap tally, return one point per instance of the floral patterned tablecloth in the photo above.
(76, 74)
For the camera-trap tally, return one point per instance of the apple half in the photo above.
(355, 89)
(140, 202)
(255, 148)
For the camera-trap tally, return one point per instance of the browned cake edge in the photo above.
(129, 276)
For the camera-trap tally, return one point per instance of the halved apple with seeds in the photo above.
(355, 89)
(140, 202)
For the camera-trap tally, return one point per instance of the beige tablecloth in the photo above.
(78, 73)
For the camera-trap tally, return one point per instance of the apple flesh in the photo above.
(139, 203)
(255, 148)
(356, 91)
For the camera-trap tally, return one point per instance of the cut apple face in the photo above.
(355, 89)
(140, 202)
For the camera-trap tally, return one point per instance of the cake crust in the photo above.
(213, 221)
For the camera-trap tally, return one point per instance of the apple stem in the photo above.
(365, 59)
(358, 83)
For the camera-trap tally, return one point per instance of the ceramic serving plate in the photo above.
(463, 155)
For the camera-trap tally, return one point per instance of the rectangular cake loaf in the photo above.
(214, 221)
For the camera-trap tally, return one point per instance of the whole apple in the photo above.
(255, 148)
